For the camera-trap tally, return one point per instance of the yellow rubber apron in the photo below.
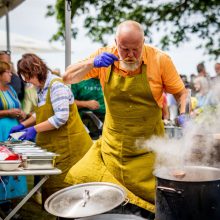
(70, 141)
(132, 116)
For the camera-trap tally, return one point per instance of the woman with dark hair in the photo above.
(56, 123)
(10, 115)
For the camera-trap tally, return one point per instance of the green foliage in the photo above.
(176, 21)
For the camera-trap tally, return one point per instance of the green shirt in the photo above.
(89, 90)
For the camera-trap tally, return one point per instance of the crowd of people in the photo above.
(131, 87)
(201, 95)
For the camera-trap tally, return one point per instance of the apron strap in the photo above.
(108, 73)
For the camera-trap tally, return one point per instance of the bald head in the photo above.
(130, 42)
(130, 29)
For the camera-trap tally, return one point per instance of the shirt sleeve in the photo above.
(171, 79)
(60, 99)
(74, 89)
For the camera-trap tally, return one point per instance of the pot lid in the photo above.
(84, 200)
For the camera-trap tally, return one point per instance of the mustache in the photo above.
(127, 60)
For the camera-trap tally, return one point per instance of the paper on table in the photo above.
(16, 135)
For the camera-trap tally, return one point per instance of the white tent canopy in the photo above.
(24, 44)
(8, 5)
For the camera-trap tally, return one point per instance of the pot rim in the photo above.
(164, 173)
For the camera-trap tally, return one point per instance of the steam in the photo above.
(199, 144)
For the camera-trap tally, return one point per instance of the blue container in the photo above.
(13, 187)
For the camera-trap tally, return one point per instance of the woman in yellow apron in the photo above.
(58, 126)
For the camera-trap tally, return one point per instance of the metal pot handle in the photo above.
(169, 190)
(126, 201)
(86, 197)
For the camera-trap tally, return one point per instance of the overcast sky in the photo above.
(29, 19)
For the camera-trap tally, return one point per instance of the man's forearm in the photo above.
(81, 104)
(181, 100)
(76, 72)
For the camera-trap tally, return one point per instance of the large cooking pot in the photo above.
(192, 193)
(86, 200)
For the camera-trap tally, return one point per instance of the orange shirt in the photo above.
(161, 72)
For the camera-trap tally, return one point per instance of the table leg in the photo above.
(25, 199)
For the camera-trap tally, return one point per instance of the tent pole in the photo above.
(67, 33)
(7, 29)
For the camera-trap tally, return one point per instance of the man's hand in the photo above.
(30, 134)
(17, 128)
(104, 60)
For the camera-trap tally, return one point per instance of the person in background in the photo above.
(133, 77)
(16, 82)
(184, 78)
(30, 99)
(56, 123)
(202, 70)
(217, 71)
(10, 106)
(89, 97)
(10, 115)
(204, 96)
(191, 83)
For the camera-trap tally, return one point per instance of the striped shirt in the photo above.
(61, 98)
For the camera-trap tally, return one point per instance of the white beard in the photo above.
(129, 66)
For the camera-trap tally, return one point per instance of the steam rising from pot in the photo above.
(200, 143)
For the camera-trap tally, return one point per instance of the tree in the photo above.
(177, 21)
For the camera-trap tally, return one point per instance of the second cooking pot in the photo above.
(189, 193)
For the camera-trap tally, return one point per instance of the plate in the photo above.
(9, 165)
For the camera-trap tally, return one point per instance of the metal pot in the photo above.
(191, 196)
(84, 200)
(173, 131)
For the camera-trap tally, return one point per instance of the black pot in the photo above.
(195, 195)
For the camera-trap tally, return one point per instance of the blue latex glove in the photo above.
(181, 120)
(30, 134)
(104, 60)
(17, 128)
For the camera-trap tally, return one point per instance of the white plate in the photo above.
(9, 165)
(16, 135)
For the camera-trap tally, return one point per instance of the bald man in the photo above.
(133, 76)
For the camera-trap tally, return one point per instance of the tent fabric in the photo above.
(11, 5)
(24, 44)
